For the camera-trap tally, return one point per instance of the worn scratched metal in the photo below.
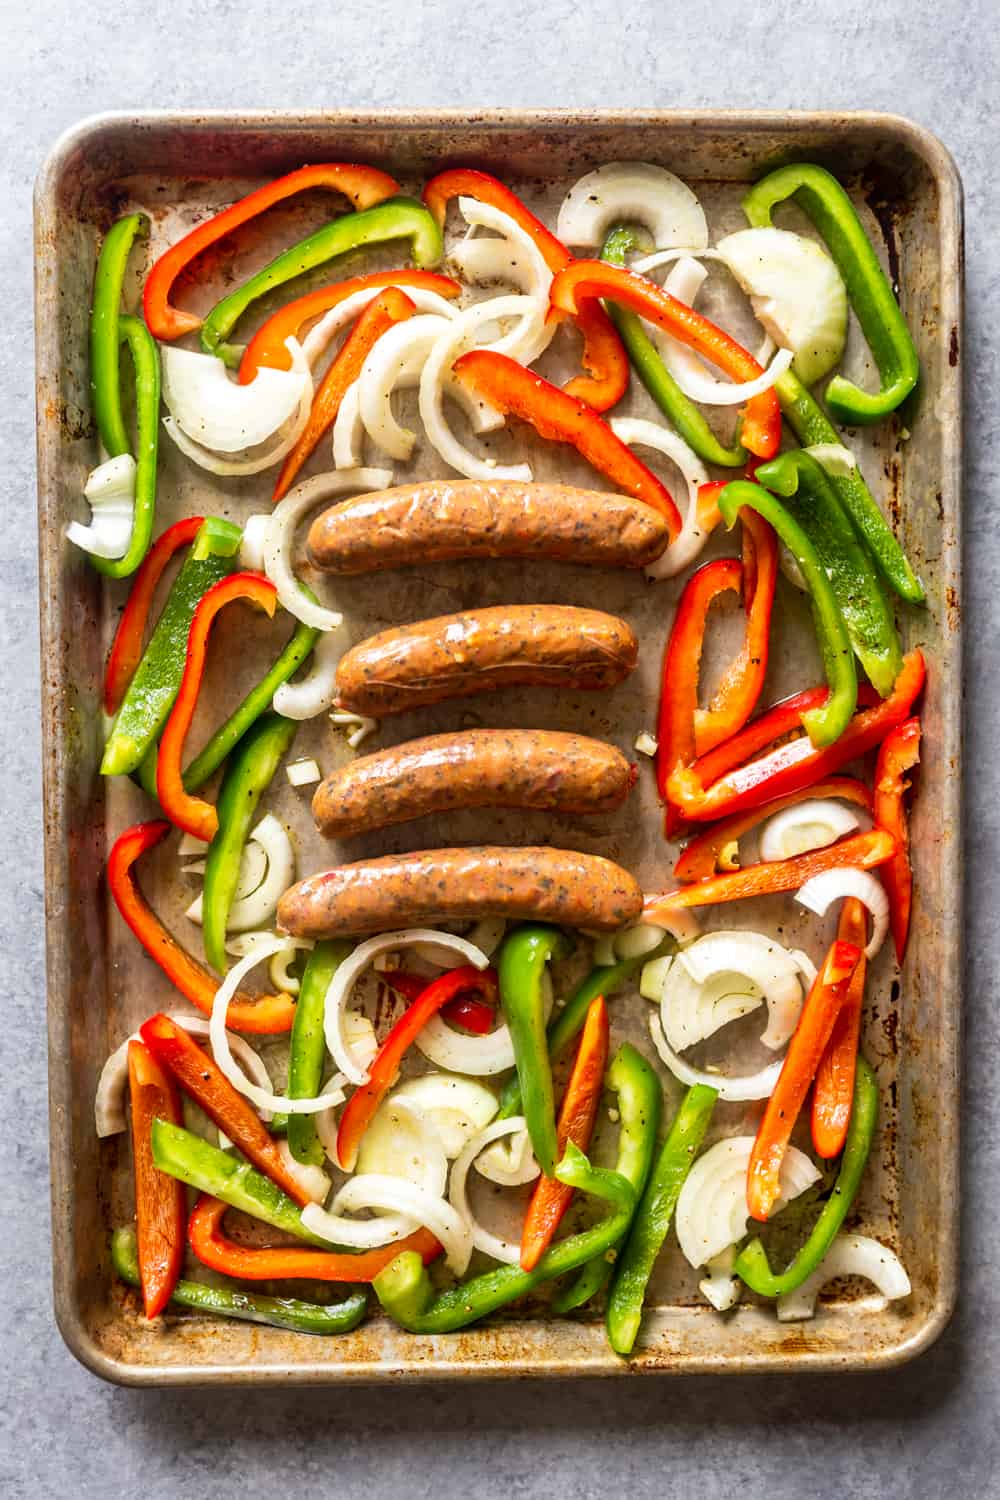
(179, 168)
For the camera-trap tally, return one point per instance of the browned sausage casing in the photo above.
(411, 890)
(566, 773)
(481, 650)
(440, 519)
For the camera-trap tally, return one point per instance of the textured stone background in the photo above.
(927, 1431)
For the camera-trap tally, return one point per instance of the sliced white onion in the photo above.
(357, 1234)
(539, 278)
(834, 458)
(239, 944)
(305, 772)
(326, 1120)
(511, 1163)
(639, 433)
(632, 192)
(354, 966)
(279, 971)
(809, 825)
(110, 492)
(359, 724)
(403, 1140)
(260, 904)
(505, 1251)
(314, 693)
(395, 359)
(494, 260)
(281, 533)
(479, 1056)
(253, 463)
(436, 1214)
(720, 1286)
(220, 413)
(640, 938)
(690, 1011)
(712, 1209)
(189, 845)
(645, 743)
(835, 885)
(731, 1090)
(653, 977)
(702, 992)
(457, 1107)
(349, 431)
(487, 934)
(322, 334)
(849, 1255)
(311, 1179)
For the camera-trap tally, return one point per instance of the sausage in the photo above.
(440, 519)
(481, 650)
(437, 885)
(566, 773)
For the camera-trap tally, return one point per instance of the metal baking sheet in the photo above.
(181, 168)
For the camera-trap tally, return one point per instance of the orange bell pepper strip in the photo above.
(194, 814)
(289, 1263)
(267, 347)
(584, 281)
(819, 1015)
(384, 1070)
(770, 878)
(577, 1116)
(700, 858)
(200, 1076)
(899, 753)
(389, 307)
(604, 357)
(269, 1016)
(160, 1204)
(126, 648)
(364, 186)
(834, 1091)
(561, 418)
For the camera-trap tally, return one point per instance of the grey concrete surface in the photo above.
(924, 1432)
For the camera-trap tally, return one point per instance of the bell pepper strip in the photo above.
(826, 722)
(808, 1043)
(604, 357)
(185, 810)
(711, 789)
(834, 1089)
(752, 1264)
(560, 418)
(472, 1014)
(821, 196)
(384, 1071)
(307, 1046)
(585, 280)
(126, 648)
(268, 349)
(700, 859)
(266, 1016)
(865, 851)
(388, 307)
(201, 1077)
(160, 1207)
(898, 753)
(146, 371)
(577, 1116)
(363, 186)
(152, 686)
(679, 410)
(809, 497)
(249, 773)
(520, 970)
(245, 1307)
(105, 333)
(652, 1218)
(636, 1149)
(811, 425)
(393, 219)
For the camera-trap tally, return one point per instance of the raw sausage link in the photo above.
(456, 656)
(565, 773)
(407, 890)
(442, 519)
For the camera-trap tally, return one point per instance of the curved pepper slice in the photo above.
(899, 753)
(307, 1047)
(105, 332)
(834, 1090)
(831, 210)
(364, 186)
(520, 969)
(587, 280)
(555, 415)
(126, 648)
(160, 1207)
(465, 1010)
(269, 1015)
(192, 813)
(146, 369)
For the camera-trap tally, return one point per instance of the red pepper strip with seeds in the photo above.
(126, 648)
(160, 1203)
(833, 1095)
(466, 1011)
(899, 753)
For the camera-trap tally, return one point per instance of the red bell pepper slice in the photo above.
(863, 850)
(577, 1116)
(200, 1076)
(704, 791)
(466, 1011)
(268, 1016)
(807, 1046)
(583, 281)
(289, 1263)
(194, 814)
(834, 1091)
(160, 1205)
(126, 648)
(384, 1070)
(700, 858)
(899, 753)
(364, 186)
(389, 307)
(604, 356)
(561, 418)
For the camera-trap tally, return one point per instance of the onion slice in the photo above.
(396, 359)
(402, 1140)
(217, 412)
(359, 725)
(639, 433)
(731, 1090)
(712, 1209)
(357, 1234)
(110, 492)
(419, 1207)
(260, 904)
(349, 431)
(322, 334)
(312, 1180)
(835, 885)
(808, 825)
(505, 1251)
(315, 692)
(720, 1286)
(495, 260)
(849, 1255)
(632, 191)
(252, 543)
(509, 1165)
(457, 1108)
(208, 458)
(700, 994)
(480, 1056)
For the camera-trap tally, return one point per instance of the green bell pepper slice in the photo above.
(520, 970)
(307, 1047)
(146, 367)
(105, 332)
